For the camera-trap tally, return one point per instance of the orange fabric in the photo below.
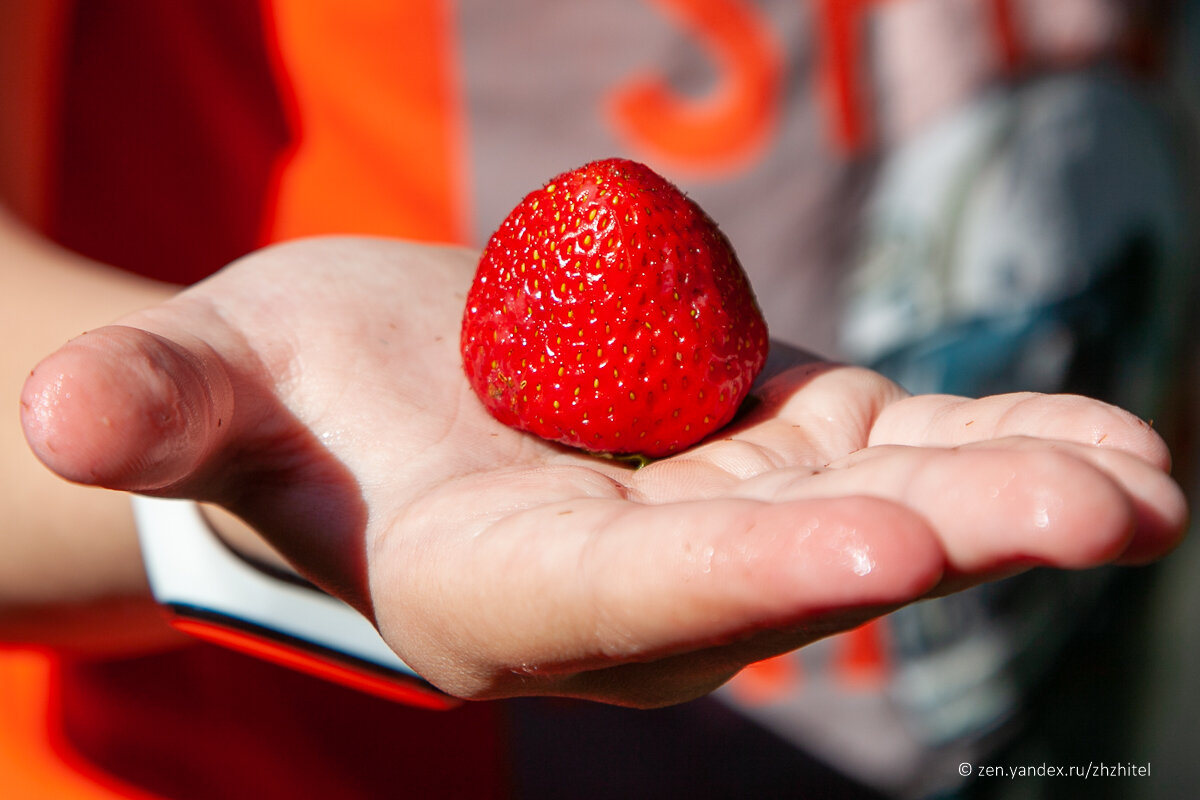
(1004, 29)
(733, 122)
(374, 107)
(35, 761)
(863, 658)
(860, 659)
(382, 159)
(764, 682)
(30, 40)
(841, 71)
(166, 134)
(302, 661)
(203, 722)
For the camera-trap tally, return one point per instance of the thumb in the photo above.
(127, 409)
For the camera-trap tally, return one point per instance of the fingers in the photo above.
(996, 506)
(1158, 504)
(944, 421)
(587, 584)
(810, 414)
(1122, 447)
(820, 409)
(126, 409)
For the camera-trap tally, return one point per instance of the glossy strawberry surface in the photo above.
(610, 313)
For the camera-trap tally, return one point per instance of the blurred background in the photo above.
(971, 196)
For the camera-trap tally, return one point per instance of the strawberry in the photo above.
(609, 313)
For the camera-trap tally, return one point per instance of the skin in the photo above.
(70, 573)
(314, 390)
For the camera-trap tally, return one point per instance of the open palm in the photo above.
(315, 390)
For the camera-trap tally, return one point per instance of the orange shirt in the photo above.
(177, 137)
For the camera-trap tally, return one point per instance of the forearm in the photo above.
(70, 571)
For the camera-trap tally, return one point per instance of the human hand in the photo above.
(314, 389)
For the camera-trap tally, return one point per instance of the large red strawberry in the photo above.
(609, 313)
